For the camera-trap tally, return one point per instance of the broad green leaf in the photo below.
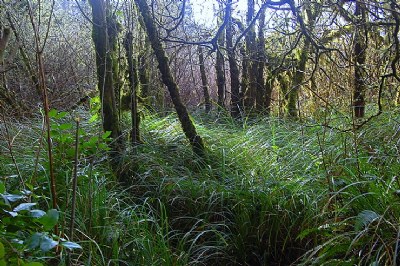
(50, 219)
(3, 262)
(2, 188)
(13, 214)
(2, 252)
(24, 207)
(33, 241)
(12, 197)
(37, 213)
(47, 243)
(53, 113)
(65, 126)
(61, 114)
(71, 245)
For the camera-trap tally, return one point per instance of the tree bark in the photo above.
(207, 101)
(219, 69)
(134, 88)
(187, 124)
(359, 54)
(263, 92)
(104, 66)
(233, 68)
(250, 69)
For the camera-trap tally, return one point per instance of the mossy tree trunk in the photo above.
(104, 65)
(207, 101)
(311, 16)
(263, 92)
(134, 88)
(299, 74)
(166, 75)
(359, 55)
(233, 68)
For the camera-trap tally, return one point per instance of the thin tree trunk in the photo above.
(104, 72)
(204, 81)
(219, 68)
(134, 85)
(250, 66)
(187, 124)
(263, 92)
(359, 50)
(234, 71)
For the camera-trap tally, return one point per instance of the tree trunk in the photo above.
(234, 71)
(263, 92)
(219, 69)
(207, 101)
(250, 64)
(187, 124)
(298, 80)
(359, 54)
(104, 66)
(134, 85)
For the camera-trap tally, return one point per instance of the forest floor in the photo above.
(270, 192)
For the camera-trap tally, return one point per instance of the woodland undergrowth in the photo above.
(270, 192)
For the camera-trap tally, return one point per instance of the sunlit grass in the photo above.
(269, 192)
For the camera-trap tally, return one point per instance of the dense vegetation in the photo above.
(270, 192)
(139, 133)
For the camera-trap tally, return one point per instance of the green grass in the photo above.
(270, 192)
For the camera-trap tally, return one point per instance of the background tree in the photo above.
(102, 24)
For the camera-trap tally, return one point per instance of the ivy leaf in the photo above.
(24, 207)
(50, 219)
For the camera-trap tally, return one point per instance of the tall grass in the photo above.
(270, 192)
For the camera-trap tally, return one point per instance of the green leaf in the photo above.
(47, 243)
(71, 245)
(365, 218)
(24, 207)
(12, 197)
(61, 115)
(53, 113)
(106, 134)
(37, 213)
(2, 188)
(33, 241)
(65, 126)
(2, 251)
(3, 262)
(94, 118)
(50, 219)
